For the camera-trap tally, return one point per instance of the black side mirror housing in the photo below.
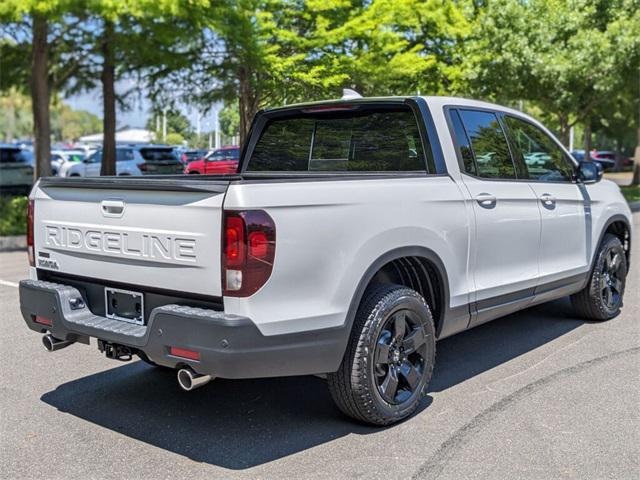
(589, 172)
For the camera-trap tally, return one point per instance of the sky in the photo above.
(139, 112)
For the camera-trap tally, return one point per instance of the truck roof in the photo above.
(432, 100)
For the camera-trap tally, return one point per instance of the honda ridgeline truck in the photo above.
(355, 234)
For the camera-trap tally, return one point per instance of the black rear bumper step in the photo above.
(230, 346)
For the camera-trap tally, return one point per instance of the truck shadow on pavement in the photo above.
(239, 424)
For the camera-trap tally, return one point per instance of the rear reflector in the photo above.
(184, 353)
(42, 320)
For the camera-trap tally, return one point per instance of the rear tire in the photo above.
(389, 359)
(602, 298)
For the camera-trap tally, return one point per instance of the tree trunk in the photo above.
(636, 162)
(109, 102)
(564, 131)
(40, 97)
(587, 139)
(248, 104)
(618, 156)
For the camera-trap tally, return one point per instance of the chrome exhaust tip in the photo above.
(190, 380)
(51, 343)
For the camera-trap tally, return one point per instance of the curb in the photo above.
(16, 242)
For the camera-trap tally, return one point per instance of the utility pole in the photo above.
(164, 124)
(571, 139)
(216, 126)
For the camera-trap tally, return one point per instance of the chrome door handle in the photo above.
(486, 200)
(548, 200)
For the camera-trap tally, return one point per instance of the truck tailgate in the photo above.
(132, 232)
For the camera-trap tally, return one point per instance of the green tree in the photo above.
(28, 23)
(567, 57)
(229, 119)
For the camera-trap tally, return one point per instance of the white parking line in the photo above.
(8, 284)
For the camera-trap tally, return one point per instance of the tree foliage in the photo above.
(567, 56)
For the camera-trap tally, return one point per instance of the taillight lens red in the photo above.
(142, 166)
(248, 251)
(30, 216)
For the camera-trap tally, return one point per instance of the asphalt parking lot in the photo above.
(540, 394)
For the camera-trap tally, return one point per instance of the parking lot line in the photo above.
(7, 283)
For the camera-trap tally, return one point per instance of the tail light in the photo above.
(249, 248)
(142, 166)
(30, 251)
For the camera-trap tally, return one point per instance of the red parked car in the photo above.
(221, 160)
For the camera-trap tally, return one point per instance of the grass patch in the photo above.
(13, 215)
(631, 193)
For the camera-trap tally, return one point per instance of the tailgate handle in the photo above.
(112, 208)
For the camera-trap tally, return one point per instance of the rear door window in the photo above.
(360, 138)
(124, 154)
(489, 144)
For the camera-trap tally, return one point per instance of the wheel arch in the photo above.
(619, 226)
(415, 266)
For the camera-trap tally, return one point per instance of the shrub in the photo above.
(13, 215)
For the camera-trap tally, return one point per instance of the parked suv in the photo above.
(221, 160)
(128, 160)
(355, 234)
(16, 171)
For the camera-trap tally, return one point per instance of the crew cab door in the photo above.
(504, 253)
(563, 239)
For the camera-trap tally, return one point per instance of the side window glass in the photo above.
(490, 148)
(123, 154)
(468, 164)
(543, 158)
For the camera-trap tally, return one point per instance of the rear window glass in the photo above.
(490, 148)
(151, 154)
(11, 155)
(366, 139)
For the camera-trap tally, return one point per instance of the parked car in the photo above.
(188, 156)
(16, 172)
(355, 234)
(222, 160)
(128, 160)
(604, 159)
(158, 160)
(59, 157)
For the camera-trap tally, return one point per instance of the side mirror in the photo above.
(590, 172)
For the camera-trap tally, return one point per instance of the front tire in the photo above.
(601, 299)
(389, 359)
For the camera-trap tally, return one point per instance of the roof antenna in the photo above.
(349, 94)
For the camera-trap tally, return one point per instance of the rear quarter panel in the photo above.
(328, 233)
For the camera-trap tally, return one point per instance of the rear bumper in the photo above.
(230, 346)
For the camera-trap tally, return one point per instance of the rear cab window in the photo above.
(341, 138)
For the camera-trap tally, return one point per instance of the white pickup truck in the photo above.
(355, 234)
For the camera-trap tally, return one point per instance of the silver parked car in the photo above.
(127, 161)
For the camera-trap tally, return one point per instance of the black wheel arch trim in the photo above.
(610, 221)
(395, 254)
